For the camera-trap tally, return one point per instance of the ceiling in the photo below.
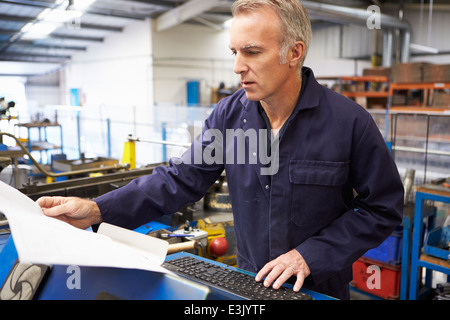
(22, 55)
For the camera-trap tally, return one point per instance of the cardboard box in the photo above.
(441, 99)
(436, 73)
(408, 72)
(377, 71)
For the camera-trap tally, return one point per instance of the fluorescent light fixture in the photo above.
(49, 19)
(26, 27)
(60, 16)
(422, 48)
(44, 13)
(42, 28)
(38, 30)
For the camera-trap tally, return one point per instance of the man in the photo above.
(302, 219)
(3, 106)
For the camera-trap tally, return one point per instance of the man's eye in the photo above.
(233, 53)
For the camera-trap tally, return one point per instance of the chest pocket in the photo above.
(317, 188)
(325, 173)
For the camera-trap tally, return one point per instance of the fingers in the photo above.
(282, 278)
(81, 213)
(265, 270)
(274, 273)
(48, 202)
(52, 206)
(56, 211)
(278, 271)
(299, 283)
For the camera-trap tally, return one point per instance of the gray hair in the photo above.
(294, 22)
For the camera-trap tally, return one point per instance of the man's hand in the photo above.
(81, 213)
(282, 268)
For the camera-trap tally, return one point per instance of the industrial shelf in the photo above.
(418, 110)
(389, 91)
(418, 259)
(357, 78)
(364, 88)
(428, 90)
(42, 143)
(367, 94)
(422, 85)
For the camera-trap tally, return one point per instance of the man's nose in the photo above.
(240, 65)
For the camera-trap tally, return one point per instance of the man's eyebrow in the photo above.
(247, 46)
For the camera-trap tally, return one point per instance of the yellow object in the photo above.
(95, 174)
(50, 179)
(129, 154)
(23, 140)
(216, 230)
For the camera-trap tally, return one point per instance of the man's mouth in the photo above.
(246, 84)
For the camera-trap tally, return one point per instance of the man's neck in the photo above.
(279, 111)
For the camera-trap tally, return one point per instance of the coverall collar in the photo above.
(309, 97)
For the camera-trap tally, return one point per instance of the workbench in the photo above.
(418, 258)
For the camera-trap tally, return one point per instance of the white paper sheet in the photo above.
(44, 240)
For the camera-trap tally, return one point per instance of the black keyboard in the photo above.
(229, 280)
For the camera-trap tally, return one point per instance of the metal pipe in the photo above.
(387, 48)
(406, 41)
(430, 20)
(169, 143)
(62, 174)
(420, 150)
(408, 183)
(426, 149)
(340, 15)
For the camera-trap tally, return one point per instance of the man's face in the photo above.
(254, 40)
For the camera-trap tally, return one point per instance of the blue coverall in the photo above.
(336, 194)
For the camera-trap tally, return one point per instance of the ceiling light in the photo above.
(49, 19)
(42, 28)
(27, 27)
(60, 16)
(38, 30)
(44, 13)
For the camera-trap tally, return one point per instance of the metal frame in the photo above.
(417, 242)
(426, 151)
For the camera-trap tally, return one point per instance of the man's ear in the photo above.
(296, 53)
